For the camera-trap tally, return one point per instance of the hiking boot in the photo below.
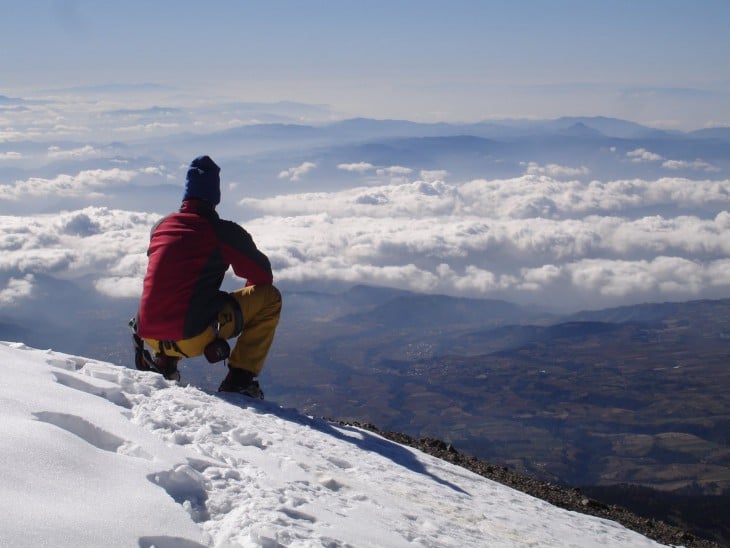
(142, 359)
(167, 367)
(241, 382)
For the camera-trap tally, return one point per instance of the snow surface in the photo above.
(94, 454)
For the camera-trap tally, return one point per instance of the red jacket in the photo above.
(189, 254)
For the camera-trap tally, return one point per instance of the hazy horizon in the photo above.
(658, 63)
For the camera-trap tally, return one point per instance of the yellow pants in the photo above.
(260, 307)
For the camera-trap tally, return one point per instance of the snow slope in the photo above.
(94, 454)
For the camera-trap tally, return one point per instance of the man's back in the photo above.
(181, 288)
(183, 313)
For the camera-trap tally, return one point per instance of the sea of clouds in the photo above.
(82, 182)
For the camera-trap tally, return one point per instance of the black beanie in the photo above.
(203, 180)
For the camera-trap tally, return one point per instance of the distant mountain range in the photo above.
(477, 150)
(367, 128)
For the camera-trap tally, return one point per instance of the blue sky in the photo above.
(661, 62)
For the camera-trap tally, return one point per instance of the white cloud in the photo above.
(505, 258)
(88, 151)
(433, 175)
(149, 128)
(480, 281)
(296, 173)
(87, 183)
(525, 239)
(529, 239)
(535, 279)
(660, 275)
(409, 199)
(523, 197)
(43, 123)
(108, 245)
(699, 165)
(10, 155)
(557, 171)
(394, 171)
(15, 290)
(119, 287)
(360, 167)
(10, 135)
(643, 155)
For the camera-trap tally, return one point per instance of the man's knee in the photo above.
(256, 300)
(275, 299)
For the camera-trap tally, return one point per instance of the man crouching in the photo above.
(183, 312)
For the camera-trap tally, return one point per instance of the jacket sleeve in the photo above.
(240, 251)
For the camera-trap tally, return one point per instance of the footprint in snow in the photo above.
(239, 435)
(71, 363)
(92, 434)
(187, 487)
(112, 392)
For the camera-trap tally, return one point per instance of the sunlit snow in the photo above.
(95, 454)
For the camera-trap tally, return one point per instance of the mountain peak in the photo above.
(580, 129)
